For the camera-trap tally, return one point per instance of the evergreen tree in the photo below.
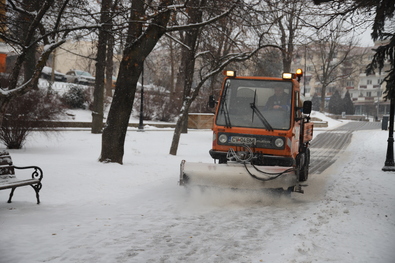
(336, 104)
(348, 105)
(316, 102)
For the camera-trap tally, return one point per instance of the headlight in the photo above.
(279, 143)
(223, 138)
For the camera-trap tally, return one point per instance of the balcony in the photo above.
(366, 99)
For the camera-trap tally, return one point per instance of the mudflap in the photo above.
(238, 176)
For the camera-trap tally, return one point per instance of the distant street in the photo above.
(326, 146)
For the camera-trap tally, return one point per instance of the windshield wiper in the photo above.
(226, 114)
(224, 108)
(260, 115)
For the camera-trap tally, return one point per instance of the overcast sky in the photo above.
(366, 39)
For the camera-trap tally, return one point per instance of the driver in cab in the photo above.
(279, 101)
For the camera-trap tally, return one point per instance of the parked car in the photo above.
(46, 73)
(80, 77)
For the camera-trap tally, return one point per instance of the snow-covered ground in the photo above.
(136, 212)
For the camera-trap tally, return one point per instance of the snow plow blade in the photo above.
(236, 175)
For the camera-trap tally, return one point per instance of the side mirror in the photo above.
(307, 106)
(211, 101)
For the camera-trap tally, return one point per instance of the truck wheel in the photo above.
(304, 170)
(222, 160)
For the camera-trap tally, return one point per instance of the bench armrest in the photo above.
(37, 173)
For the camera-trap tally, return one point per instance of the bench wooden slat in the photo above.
(12, 184)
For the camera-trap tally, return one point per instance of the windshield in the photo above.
(256, 104)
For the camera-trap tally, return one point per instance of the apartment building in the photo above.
(368, 94)
(366, 91)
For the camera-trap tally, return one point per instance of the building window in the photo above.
(350, 83)
(379, 81)
(369, 81)
(347, 71)
(368, 94)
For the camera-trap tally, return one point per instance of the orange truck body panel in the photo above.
(292, 134)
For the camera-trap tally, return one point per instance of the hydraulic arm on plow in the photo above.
(261, 136)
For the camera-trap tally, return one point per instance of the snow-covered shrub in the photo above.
(26, 112)
(77, 98)
(157, 104)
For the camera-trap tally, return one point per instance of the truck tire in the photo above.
(304, 170)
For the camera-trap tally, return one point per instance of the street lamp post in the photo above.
(389, 161)
(305, 71)
(141, 125)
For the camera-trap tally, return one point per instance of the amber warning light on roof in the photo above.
(229, 73)
(287, 76)
(298, 74)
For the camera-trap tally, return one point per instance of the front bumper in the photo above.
(262, 159)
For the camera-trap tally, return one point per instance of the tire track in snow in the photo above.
(311, 239)
(325, 147)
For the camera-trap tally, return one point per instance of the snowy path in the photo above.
(326, 146)
(136, 212)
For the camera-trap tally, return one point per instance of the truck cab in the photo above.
(261, 136)
(260, 118)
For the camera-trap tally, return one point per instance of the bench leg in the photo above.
(37, 189)
(11, 194)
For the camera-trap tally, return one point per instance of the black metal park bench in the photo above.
(8, 180)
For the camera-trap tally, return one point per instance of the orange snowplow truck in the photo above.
(261, 136)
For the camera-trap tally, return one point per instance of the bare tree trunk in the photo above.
(183, 118)
(138, 47)
(30, 62)
(323, 95)
(110, 54)
(98, 94)
(172, 88)
(109, 66)
(188, 55)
